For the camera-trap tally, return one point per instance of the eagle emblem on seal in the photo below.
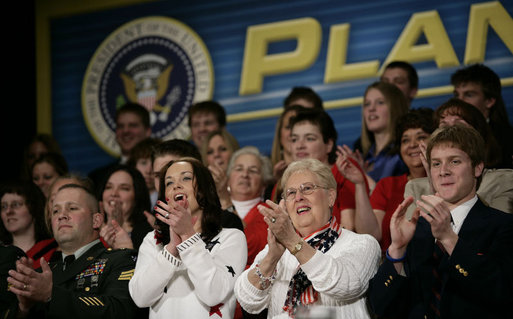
(146, 81)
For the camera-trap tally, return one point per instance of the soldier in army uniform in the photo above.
(88, 280)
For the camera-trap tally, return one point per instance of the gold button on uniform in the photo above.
(461, 270)
(465, 274)
(87, 288)
(109, 249)
(458, 267)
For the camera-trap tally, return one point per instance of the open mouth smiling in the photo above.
(179, 197)
(303, 210)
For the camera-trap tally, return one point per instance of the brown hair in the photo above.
(474, 118)
(462, 137)
(142, 150)
(397, 106)
(206, 196)
(277, 148)
(230, 141)
(306, 93)
(491, 86)
(208, 107)
(35, 201)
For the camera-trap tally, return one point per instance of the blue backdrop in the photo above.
(375, 28)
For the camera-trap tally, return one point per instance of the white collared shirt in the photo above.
(460, 213)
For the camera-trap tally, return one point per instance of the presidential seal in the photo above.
(157, 62)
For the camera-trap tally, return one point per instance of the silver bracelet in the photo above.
(265, 282)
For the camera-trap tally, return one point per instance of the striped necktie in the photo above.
(436, 287)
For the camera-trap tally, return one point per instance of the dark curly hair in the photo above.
(206, 196)
(422, 118)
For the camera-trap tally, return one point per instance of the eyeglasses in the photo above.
(13, 205)
(304, 189)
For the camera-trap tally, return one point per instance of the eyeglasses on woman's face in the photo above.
(12, 205)
(304, 189)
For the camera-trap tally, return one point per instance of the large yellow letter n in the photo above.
(258, 64)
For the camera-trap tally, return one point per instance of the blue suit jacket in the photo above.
(477, 277)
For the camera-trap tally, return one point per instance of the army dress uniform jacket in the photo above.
(93, 286)
(477, 279)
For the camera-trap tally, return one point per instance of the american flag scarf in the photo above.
(301, 291)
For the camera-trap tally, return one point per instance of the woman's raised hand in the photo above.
(162, 214)
(278, 221)
(115, 235)
(178, 216)
(219, 176)
(348, 168)
(423, 158)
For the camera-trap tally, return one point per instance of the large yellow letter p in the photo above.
(257, 63)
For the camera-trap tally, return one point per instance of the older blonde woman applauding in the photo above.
(309, 259)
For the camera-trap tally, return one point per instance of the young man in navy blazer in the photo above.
(454, 257)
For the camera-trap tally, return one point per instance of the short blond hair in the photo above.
(74, 179)
(318, 168)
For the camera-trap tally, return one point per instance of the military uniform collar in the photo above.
(81, 263)
(79, 252)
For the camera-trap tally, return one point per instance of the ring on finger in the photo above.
(273, 220)
(24, 286)
(167, 215)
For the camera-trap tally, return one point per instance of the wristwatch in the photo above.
(297, 247)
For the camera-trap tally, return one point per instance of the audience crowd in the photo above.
(414, 221)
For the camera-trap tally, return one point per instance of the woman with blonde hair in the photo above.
(281, 153)
(383, 105)
(310, 260)
(372, 213)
